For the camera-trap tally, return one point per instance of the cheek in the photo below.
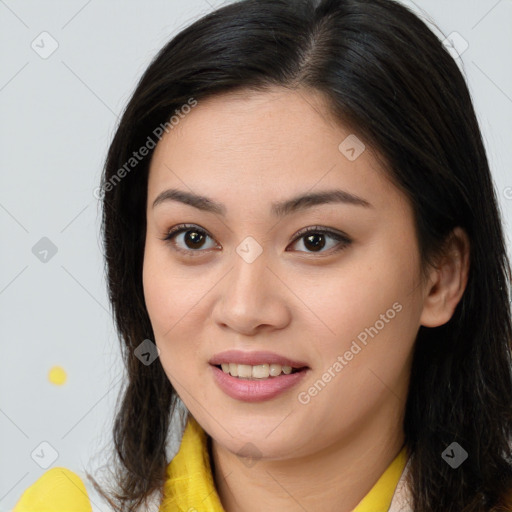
(155, 283)
(366, 295)
(168, 304)
(165, 309)
(175, 297)
(372, 314)
(170, 291)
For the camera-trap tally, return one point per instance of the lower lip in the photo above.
(256, 390)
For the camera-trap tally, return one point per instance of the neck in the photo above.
(338, 477)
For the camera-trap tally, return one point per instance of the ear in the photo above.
(447, 281)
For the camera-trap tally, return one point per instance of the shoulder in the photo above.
(56, 490)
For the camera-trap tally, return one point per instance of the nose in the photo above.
(252, 297)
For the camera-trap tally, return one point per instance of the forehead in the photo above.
(273, 143)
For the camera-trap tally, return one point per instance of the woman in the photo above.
(304, 248)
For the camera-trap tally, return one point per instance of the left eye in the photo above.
(313, 238)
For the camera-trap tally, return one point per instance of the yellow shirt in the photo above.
(189, 484)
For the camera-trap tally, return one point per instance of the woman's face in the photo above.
(241, 278)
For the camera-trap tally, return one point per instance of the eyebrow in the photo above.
(278, 209)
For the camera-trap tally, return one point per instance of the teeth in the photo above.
(244, 370)
(275, 369)
(259, 371)
(233, 369)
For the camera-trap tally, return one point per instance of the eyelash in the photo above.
(181, 228)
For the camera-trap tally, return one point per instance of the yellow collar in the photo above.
(189, 484)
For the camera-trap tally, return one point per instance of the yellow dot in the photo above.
(57, 375)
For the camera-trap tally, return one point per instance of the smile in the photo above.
(256, 376)
(259, 371)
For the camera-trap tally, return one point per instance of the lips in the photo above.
(234, 373)
(256, 390)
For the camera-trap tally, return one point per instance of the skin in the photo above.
(247, 150)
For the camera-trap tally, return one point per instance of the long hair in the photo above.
(388, 77)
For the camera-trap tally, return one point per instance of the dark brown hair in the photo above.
(386, 75)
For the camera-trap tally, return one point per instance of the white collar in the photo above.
(402, 498)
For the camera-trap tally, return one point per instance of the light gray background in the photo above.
(57, 117)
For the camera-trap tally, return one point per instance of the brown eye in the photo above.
(193, 239)
(314, 240)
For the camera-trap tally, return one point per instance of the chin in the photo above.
(257, 437)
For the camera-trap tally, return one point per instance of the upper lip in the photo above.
(254, 358)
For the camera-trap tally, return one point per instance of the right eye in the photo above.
(193, 238)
